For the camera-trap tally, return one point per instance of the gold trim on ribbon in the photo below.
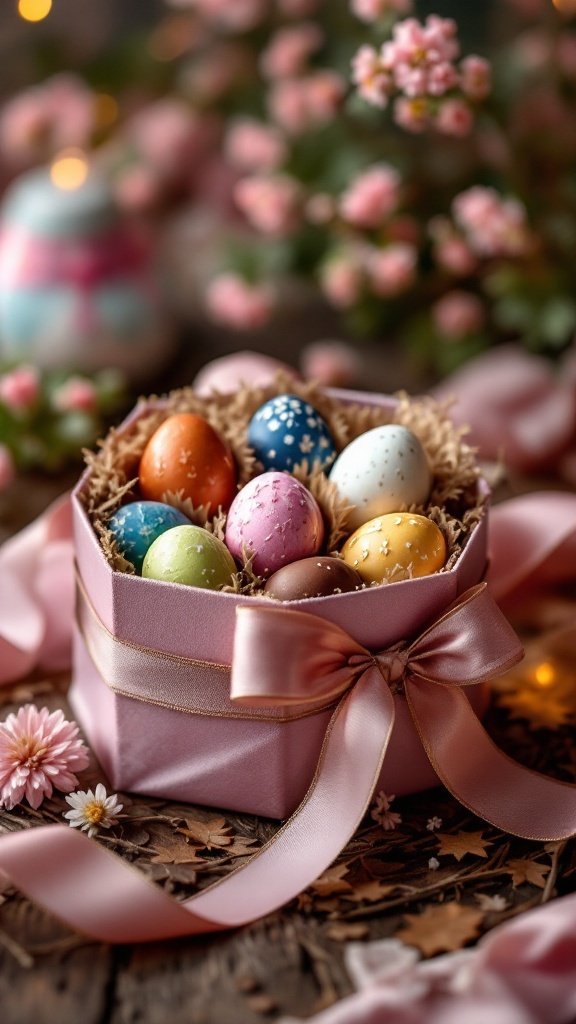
(167, 680)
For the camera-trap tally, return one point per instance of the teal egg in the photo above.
(189, 555)
(137, 525)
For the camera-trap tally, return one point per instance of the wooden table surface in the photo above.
(292, 962)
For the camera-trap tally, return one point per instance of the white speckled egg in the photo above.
(382, 471)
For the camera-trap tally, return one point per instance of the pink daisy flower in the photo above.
(39, 751)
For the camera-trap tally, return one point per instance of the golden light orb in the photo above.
(34, 10)
(544, 674)
(69, 170)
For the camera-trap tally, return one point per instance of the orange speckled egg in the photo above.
(186, 454)
(397, 546)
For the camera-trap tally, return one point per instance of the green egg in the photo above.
(189, 555)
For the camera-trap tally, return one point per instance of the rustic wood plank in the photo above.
(248, 977)
(49, 975)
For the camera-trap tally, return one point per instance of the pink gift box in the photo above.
(186, 740)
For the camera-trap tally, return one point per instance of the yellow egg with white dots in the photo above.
(397, 546)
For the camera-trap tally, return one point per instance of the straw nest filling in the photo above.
(455, 503)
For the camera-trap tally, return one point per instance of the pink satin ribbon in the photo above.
(515, 405)
(522, 972)
(101, 895)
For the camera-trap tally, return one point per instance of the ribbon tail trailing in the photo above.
(480, 775)
(97, 893)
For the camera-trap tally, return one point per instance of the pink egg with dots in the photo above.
(277, 519)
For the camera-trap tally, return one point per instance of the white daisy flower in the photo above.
(92, 810)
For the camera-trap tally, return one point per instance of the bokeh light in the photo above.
(34, 10)
(565, 6)
(544, 674)
(69, 170)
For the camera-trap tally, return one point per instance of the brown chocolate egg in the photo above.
(186, 454)
(318, 576)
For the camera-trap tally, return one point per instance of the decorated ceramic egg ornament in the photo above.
(383, 470)
(277, 519)
(191, 556)
(186, 455)
(286, 430)
(136, 526)
(394, 547)
(76, 288)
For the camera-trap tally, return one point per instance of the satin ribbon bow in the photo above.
(282, 656)
(302, 658)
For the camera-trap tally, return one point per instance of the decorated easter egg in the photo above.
(286, 430)
(318, 576)
(189, 555)
(185, 454)
(397, 546)
(278, 519)
(381, 471)
(137, 525)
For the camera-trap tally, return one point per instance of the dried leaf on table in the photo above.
(240, 847)
(461, 844)
(541, 708)
(441, 928)
(528, 871)
(332, 881)
(371, 892)
(210, 835)
(173, 851)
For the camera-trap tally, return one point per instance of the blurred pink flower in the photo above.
(458, 314)
(253, 146)
(233, 301)
(341, 279)
(138, 188)
(420, 56)
(332, 363)
(475, 77)
(299, 105)
(7, 468)
(216, 71)
(372, 10)
(454, 255)
(77, 393)
(20, 388)
(391, 270)
(373, 80)
(38, 751)
(37, 123)
(454, 117)
(288, 51)
(493, 226)
(413, 115)
(371, 197)
(271, 203)
(170, 136)
(418, 66)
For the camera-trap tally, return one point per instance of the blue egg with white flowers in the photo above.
(286, 430)
(137, 525)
